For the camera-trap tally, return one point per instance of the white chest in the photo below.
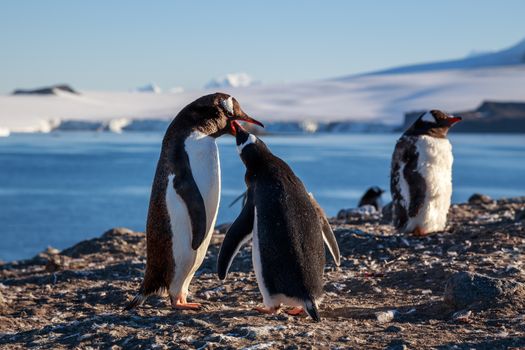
(435, 166)
(435, 163)
(204, 162)
(203, 155)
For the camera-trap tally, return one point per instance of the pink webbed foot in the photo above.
(296, 311)
(180, 303)
(266, 310)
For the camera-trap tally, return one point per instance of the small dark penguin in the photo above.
(288, 229)
(372, 197)
(185, 197)
(421, 175)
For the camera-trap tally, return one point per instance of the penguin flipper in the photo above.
(238, 234)
(328, 234)
(187, 189)
(417, 188)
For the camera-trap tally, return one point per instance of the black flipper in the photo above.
(311, 310)
(417, 187)
(239, 232)
(186, 187)
(328, 234)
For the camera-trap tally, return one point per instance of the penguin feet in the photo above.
(296, 311)
(266, 310)
(420, 232)
(180, 303)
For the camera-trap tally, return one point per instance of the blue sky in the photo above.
(117, 45)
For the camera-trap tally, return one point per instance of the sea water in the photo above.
(57, 189)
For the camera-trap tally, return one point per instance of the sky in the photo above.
(119, 45)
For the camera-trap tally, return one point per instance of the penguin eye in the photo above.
(227, 104)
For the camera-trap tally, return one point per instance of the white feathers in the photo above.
(204, 162)
(228, 105)
(249, 140)
(435, 165)
(428, 117)
(180, 223)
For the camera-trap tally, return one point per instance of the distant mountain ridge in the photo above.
(506, 57)
(368, 102)
(490, 116)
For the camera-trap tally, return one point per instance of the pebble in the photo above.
(393, 329)
(386, 316)
(462, 316)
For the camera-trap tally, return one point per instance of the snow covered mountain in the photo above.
(232, 80)
(151, 88)
(359, 102)
(510, 56)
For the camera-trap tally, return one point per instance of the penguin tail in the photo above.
(135, 302)
(311, 309)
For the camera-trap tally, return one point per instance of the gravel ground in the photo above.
(387, 293)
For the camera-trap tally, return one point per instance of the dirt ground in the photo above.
(387, 293)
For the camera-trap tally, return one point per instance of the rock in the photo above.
(393, 329)
(519, 215)
(115, 240)
(47, 90)
(361, 214)
(51, 251)
(396, 344)
(387, 213)
(386, 316)
(462, 316)
(478, 198)
(53, 265)
(464, 289)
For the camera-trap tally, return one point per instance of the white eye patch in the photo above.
(228, 105)
(249, 140)
(428, 117)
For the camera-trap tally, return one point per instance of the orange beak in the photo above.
(453, 120)
(245, 118)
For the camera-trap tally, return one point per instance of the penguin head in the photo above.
(251, 149)
(375, 191)
(214, 114)
(434, 123)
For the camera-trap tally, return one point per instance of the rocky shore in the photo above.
(460, 289)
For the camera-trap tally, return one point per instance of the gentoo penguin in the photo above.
(372, 197)
(185, 196)
(421, 174)
(288, 229)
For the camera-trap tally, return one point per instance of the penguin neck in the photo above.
(177, 141)
(437, 132)
(189, 122)
(257, 159)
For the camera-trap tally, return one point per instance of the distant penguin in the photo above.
(421, 175)
(185, 197)
(288, 229)
(372, 197)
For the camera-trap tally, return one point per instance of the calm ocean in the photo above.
(59, 188)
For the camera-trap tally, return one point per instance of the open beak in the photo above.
(233, 127)
(242, 117)
(246, 118)
(453, 120)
